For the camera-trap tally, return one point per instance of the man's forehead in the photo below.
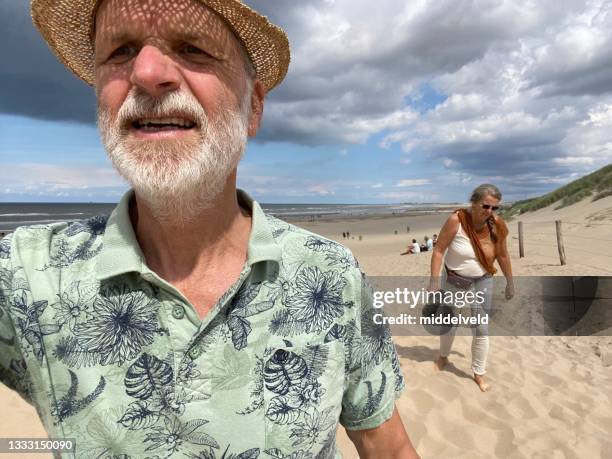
(190, 19)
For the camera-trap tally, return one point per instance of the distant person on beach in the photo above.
(412, 248)
(475, 238)
(434, 240)
(189, 323)
(427, 246)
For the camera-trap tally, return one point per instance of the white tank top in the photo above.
(461, 258)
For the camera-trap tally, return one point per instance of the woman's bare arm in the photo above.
(503, 258)
(445, 237)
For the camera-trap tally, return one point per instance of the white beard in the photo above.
(177, 179)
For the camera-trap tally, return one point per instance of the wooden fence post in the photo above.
(521, 240)
(560, 242)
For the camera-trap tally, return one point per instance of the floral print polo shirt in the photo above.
(113, 356)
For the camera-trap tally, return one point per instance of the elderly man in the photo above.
(189, 323)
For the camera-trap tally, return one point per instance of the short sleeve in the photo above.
(13, 369)
(375, 378)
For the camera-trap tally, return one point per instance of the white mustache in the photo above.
(139, 105)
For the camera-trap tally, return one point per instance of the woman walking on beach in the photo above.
(475, 238)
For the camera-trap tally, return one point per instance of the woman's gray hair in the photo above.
(484, 190)
(481, 192)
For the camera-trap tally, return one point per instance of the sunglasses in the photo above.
(488, 206)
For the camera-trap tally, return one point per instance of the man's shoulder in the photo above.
(43, 240)
(293, 239)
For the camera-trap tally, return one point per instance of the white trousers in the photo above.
(480, 333)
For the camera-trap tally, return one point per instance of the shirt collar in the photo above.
(262, 245)
(121, 252)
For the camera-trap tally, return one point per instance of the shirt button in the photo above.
(178, 312)
(195, 352)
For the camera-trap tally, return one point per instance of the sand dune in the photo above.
(550, 396)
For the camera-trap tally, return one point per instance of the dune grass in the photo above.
(596, 185)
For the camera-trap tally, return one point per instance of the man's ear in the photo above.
(257, 107)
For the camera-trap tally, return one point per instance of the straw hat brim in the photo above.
(67, 27)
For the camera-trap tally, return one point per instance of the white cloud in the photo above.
(523, 87)
(588, 142)
(574, 160)
(408, 196)
(517, 80)
(354, 62)
(413, 182)
(287, 187)
(462, 177)
(59, 180)
(320, 190)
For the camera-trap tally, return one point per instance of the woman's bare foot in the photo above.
(440, 363)
(481, 382)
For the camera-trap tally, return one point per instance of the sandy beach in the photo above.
(549, 396)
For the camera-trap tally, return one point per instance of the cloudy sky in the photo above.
(405, 101)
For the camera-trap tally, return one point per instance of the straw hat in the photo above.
(67, 27)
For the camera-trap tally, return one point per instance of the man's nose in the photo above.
(155, 72)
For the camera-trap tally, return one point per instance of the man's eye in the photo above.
(190, 49)
(122, 52)
(194, 51)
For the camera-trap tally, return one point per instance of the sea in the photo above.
(13, 215)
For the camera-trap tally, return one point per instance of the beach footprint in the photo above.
(520, 408)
